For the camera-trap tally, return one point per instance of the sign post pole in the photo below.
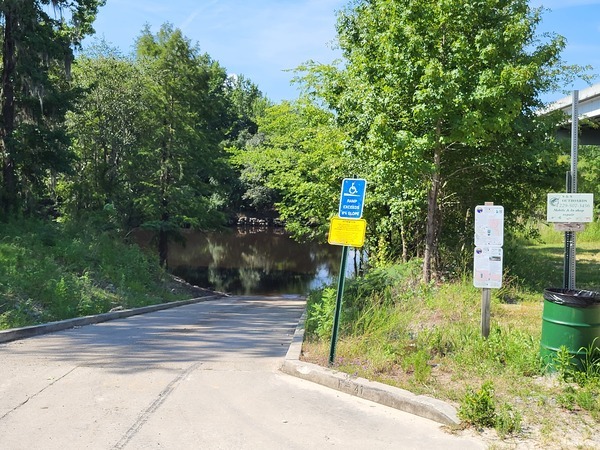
(570, 236)
(338, 304)
(348, 229)
(568, 239)
(486, 300)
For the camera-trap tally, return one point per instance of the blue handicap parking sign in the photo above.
(352, 198)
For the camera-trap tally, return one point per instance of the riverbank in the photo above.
(427, 339)
(51, 271)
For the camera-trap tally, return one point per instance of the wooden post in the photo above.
(486, 301)
(486, 296)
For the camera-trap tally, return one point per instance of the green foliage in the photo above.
(300, 162)
(582, 368)
(507, 421)
(401, 276)
(537, 267)
(181, 154)
(581, 389)
(564, 363)
(504, 349)
(51, 271)
(479, 407)
(417, 363)
(437, 122)
(588, 169)
(108, 132)
(321, 310)
(590, 362)
(36, 93)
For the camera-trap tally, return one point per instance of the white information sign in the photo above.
(489, 226)
(570, 208)
(487, 267)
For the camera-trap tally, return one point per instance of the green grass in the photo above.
(427, 339)
(51, 271)
(549, 235)
(541, 266)
(533, 266)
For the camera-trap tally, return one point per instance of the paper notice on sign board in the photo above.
(348, 232)
(487, 267)
(489, 225)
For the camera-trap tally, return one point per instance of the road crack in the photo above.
(37, 393)
(147, 413)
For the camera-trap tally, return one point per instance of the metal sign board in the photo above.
(352, 198)
(487, 267)
(348, 232)
(575, 226)
(570, 208)
(489, 225)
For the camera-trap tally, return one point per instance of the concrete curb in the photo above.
(14, 334)
(401, 399)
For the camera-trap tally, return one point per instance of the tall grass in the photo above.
(539, 264)
(427, 338)
(51, 271)
(548, 235)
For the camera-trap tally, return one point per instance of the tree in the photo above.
(440, 100)
(299, 165)
(181, 158)
(589, 171)
(107, 129)
(36, 58)
(247, 105)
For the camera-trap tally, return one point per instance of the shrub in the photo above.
(479, 408)
(321, 309)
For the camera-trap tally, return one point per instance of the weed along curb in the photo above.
(51, 327)
(393, 397)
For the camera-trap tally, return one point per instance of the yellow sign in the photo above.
(350, 232)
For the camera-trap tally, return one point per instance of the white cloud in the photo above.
(276, 33)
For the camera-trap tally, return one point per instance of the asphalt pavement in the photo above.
(203, 375)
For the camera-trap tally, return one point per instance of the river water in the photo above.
(263, 261)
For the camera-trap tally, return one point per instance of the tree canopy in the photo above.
(439, 100)
(37, 51)
(299, 161)
(434, 103)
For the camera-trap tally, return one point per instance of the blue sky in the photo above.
(262, 39)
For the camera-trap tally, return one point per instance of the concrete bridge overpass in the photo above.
(589, 115)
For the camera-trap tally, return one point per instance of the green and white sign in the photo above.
(570, 208)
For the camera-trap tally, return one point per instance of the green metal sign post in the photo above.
(338, 304)
(347, 229)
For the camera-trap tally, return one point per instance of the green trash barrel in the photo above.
(571, 318)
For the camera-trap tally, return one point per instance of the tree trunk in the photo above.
(9, 177)
(433, 222)
(165, 216)
(163, 241)
(403, 238)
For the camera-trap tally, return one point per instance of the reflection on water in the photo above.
(253, 261)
